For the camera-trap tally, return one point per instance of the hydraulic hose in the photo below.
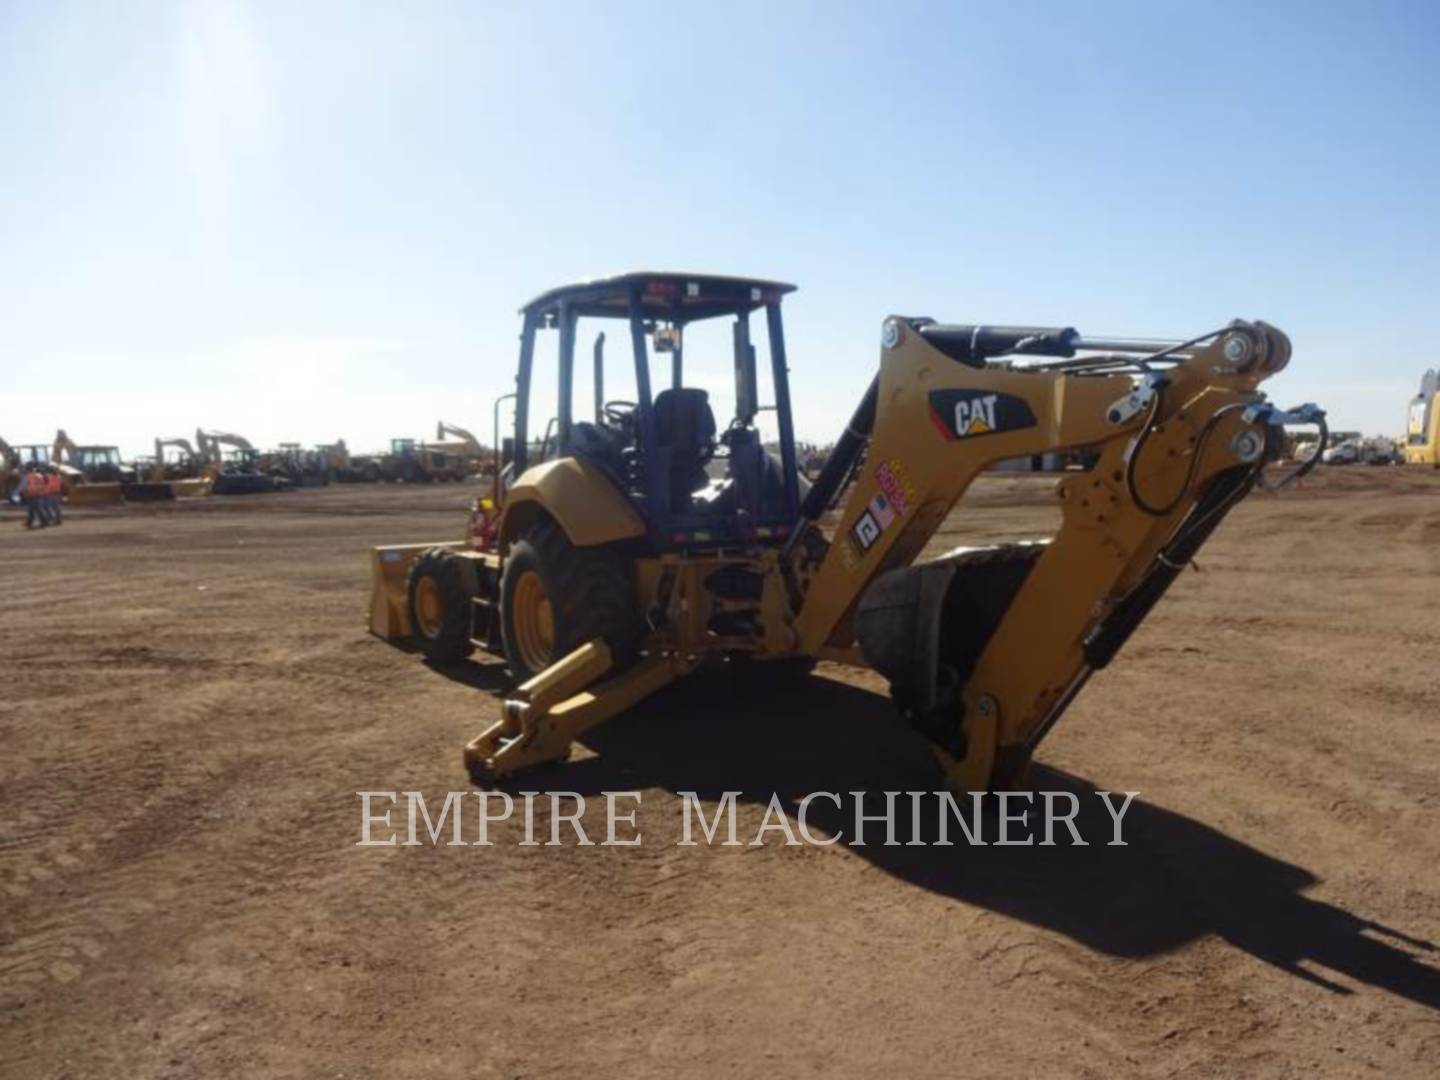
(1317, 417)
(841, 462)
(1195, 456)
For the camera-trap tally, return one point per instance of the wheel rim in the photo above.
(534, 622)
(429, 607)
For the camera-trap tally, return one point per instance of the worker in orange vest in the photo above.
(32, 494)
(53, 492)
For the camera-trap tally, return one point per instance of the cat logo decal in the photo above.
(968, 414)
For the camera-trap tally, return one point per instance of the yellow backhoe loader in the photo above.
(1422, 431)
(617, 560)
(15, 459)
(90, 474)
(97, 474)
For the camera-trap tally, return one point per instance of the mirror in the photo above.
(667, 339)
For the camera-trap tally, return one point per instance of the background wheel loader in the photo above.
(643, 540)
(1422, 423)
(413, 462)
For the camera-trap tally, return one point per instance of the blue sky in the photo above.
(308, 220)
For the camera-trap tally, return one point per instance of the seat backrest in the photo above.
(683, 419)
(685, 439)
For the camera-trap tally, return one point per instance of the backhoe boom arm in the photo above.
(985, 648)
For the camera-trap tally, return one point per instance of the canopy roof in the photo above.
(676, 297)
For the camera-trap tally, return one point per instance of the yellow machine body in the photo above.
(578, 496)
(1167, 465)
(389, 568)
(1422, 427)
(82, 493)
(1105, 545)
(193, 488)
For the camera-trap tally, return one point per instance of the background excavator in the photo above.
(644, 541)
(299, 466)
(477, 460)
(179, 473)
(236, 470)
(185, 464)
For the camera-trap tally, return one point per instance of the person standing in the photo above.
(32, 494)
(54, 490)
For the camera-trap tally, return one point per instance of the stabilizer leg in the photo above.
(544, 715)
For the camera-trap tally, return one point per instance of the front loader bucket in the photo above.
(191, 489)
(95, 494)
(147, 491)
(248, 484)
(924, 627)
(167, 490)
(389, 571)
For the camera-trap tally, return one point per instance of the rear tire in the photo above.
(440, 592)
(555, 597)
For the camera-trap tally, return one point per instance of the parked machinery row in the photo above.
(224, 463)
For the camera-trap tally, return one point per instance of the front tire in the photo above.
(440, 593)
(555, 597)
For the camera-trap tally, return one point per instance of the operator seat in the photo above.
(684, 440)
(599, 444)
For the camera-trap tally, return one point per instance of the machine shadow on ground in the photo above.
(1176, 880)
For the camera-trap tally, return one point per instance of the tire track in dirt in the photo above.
(60, 843)
(208, 745)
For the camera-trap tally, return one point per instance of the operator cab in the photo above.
(98, 457)
(694, 480)
(102, 463)
(241, 460)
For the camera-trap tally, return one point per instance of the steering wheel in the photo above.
(619, 413)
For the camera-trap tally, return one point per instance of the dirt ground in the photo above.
(193, 703)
